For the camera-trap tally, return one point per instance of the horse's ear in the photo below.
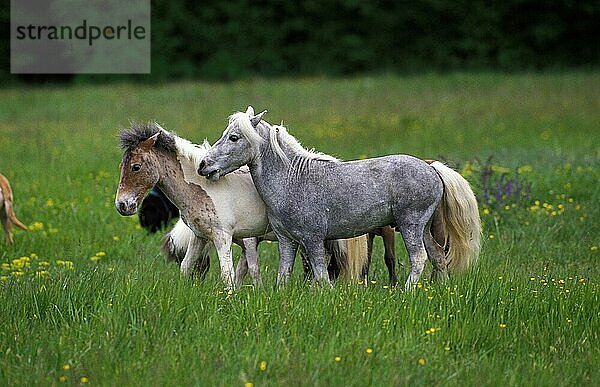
(149, 143)
(256, 119)
(250, 111)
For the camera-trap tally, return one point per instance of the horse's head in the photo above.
(237, 146)
(139, 172)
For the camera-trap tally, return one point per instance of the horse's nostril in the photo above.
(122, 207)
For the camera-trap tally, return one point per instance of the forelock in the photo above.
(131, 137)
(241, 121)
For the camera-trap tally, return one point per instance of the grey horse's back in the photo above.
(372, 192)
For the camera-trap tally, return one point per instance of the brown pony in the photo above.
(7, 213)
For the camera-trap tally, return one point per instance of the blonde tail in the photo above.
(356, 258)
(459, 218)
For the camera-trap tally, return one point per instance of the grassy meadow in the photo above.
(87, 297)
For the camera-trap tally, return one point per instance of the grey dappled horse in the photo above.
(312, 197)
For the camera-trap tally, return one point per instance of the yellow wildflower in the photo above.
(36, 226)
(422, 362)
(263, 365)
(369, 350)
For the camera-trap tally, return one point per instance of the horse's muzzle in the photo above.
(201, 168)
(126, 209)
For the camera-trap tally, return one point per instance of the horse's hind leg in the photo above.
(365, 271)
(250, 257)
(241, 269)
(203, 263)
(335, 259)
(389, 241)
(417, 255)
(436, 255)
(6, 223)
(194, 251)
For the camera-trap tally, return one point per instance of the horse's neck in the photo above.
(172, 183)
(269, 173)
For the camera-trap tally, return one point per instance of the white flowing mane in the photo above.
(191, 152)
(302, 159)
(190, 155)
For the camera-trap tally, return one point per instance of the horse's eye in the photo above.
(234, 137)
(136, 167)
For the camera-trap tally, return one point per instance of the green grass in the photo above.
(528, 313)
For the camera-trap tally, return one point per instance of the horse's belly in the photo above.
(358, 222)
(251, 226)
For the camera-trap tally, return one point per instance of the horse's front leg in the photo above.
(287, 256)
(223, 242)
(316, 255)
(194, 251)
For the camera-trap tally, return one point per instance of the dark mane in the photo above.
(130, 138)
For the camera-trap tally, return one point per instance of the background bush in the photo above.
(233, 39)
